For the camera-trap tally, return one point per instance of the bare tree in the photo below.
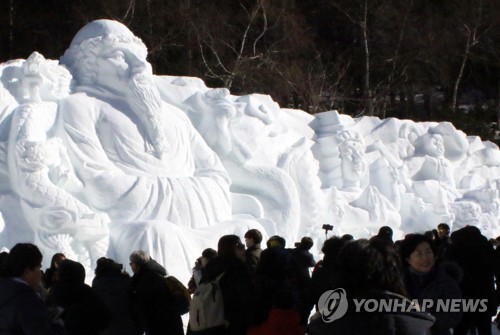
(240, 48)
(359, 16)
(471, 40)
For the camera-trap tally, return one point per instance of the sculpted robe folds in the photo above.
(187, 186)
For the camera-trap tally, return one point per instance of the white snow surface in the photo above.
(99, 157)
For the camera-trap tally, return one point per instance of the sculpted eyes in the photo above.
(348, 152)
(117, 56)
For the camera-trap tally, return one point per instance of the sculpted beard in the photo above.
(145, 102)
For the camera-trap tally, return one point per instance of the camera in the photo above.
(297, 244)
(327, 227)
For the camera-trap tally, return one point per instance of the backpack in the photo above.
(207, 307)
(179, 293)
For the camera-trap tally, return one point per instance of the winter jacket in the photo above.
(276, 283)
(321, 281)
(476, 257)
(405, 320)
(49, 277)
(22, 312)
(436, 284)
(238, 293)
(279, 322)
(252, 256)
(303, 260)
(112, 289)
(151, 302)
(84, 313)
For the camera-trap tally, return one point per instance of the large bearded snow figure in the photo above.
(139, 159)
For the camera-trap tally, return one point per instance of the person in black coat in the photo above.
(369, 270)
(303, 261)
(476, 256)
(150, 301)
(253, 238)
(111, 285)
(21, 309)
(276, 283)
(84, 313)
(322, 277)
(236, 285)
(442, 241)
(50, 275)
(425, 279)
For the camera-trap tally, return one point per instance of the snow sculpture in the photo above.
(40, 170)
(99, 156)
(213, 113)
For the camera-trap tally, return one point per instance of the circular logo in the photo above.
(332, 305)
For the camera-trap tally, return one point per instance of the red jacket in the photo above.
(279, 322)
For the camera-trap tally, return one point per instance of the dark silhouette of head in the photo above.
(364, 266)
(347, 237)
(331, 248)
(209, 253)
(276, 241)
(467, 234)
(71, 272)
(306, 243)
(443, 230)
(56, 259)
(255, 235)
(386, 232)
(107, 266)
(228, 244)
(21, 257)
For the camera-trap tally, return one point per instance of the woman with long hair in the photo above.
(368, 271)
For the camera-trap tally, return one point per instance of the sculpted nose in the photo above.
(139, 66)
(356, 157)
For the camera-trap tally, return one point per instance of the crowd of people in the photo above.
(276, 290)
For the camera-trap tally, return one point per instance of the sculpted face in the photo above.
(434, 146)
(118, 63)
(467, 213)
(352, 153)
(123, 70)
(337, 208)
(106, 58)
